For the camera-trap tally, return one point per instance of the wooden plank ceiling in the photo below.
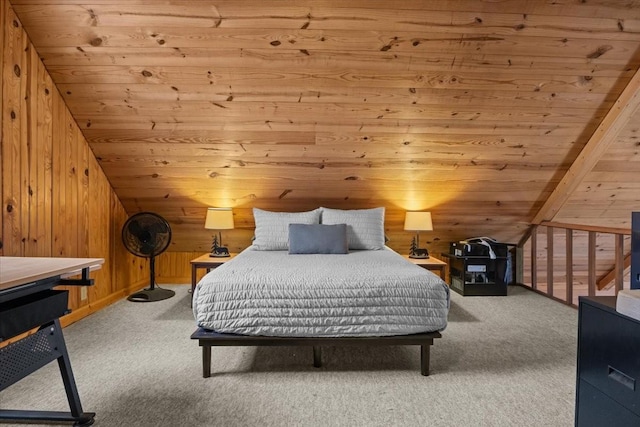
(474, 110)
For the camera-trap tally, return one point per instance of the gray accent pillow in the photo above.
(318, 239)
(272, 228)
(365, 227)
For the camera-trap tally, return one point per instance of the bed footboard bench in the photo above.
(208, 339)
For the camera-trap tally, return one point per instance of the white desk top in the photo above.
(16, 271)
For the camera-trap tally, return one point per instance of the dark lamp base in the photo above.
(419, 256)
(219, 255)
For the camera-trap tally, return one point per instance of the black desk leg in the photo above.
(47, 345)
(83, 419)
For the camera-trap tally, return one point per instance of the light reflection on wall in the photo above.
(421, 182)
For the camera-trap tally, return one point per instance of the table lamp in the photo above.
(418, 221)
(219, 219)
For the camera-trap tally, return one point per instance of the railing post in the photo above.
(569, 265)
(534, 257)
(592, 264)
(550, 261)
(519, 264)
(619, 267)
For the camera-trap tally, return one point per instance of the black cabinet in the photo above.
(608, 368)
(471, 275)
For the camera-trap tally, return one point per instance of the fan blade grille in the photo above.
(146, 234)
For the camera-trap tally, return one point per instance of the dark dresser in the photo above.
(608, 371)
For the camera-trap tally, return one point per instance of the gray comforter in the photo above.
(363, 293)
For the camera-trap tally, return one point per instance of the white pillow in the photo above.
(365, 227)
(272, 228)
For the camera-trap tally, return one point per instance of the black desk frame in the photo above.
(23, 357)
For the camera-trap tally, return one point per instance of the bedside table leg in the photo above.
(194, 271)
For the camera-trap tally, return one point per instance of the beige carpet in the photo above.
(503, 361)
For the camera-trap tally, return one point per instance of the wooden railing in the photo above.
(601, 278)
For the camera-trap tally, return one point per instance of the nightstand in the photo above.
(477, 275)
(431, 264)
(208, 262)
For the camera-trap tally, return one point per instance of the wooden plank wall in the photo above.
(471, 109)
(56, 200)
(175, 267)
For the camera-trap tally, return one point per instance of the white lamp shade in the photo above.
(219, 219)
(418, 221)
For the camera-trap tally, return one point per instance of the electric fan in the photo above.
(147, 235)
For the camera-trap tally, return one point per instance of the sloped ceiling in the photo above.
(474, 110)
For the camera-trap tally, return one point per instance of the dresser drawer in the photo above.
(596, 409)
(609, 355)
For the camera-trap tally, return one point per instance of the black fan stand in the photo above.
(153, 293)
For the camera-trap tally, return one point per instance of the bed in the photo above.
(300, 287)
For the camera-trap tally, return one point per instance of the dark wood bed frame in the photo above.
(208, 339)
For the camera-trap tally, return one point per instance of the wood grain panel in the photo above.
(223, 94)
(310, 40)
(591, 9)
(123, 156)
(438, 171)
(218, 123)
(297, 17)
(302, 78)
(612, 188)
(436, 160)
(347, 111)
(44, 186)
(30, 172)
(56, 201)
(230, 143)
(263, 58)
(175, 267)
(13, 150)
